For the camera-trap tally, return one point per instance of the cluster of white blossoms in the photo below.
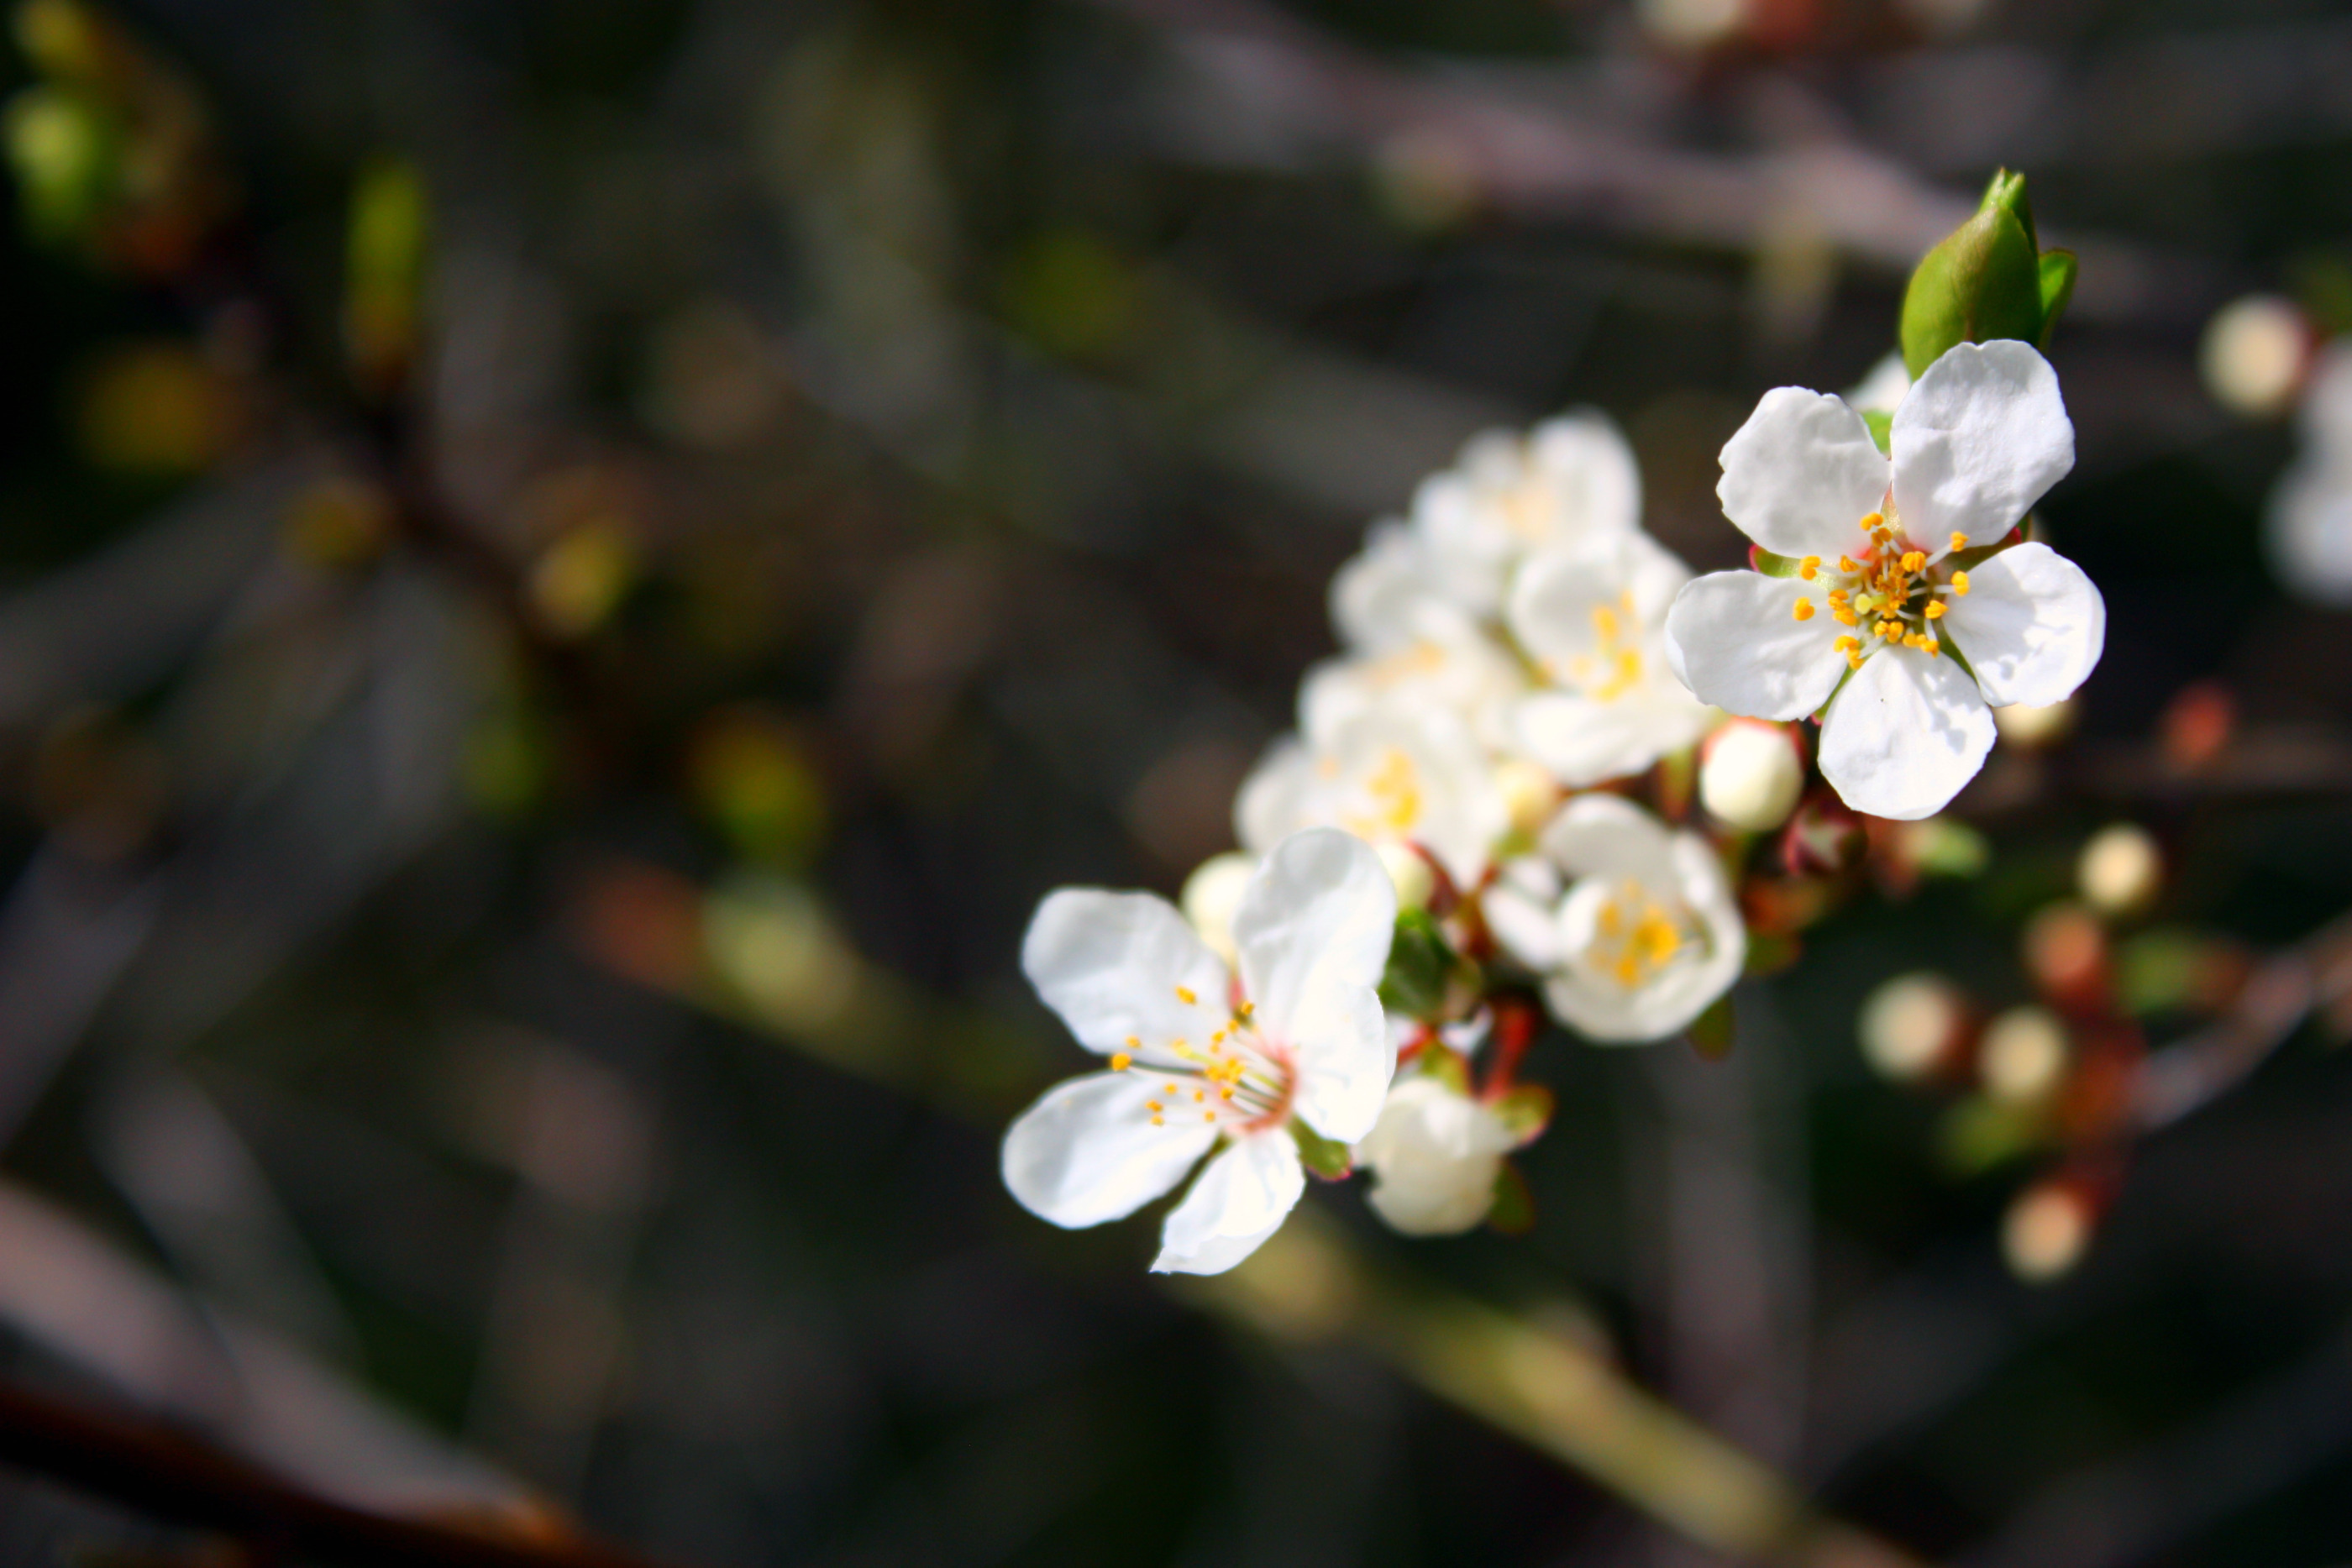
(2309, 526)
(1505, 750)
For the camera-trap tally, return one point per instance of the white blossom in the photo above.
(2309, 527)
(1867, 621)
(1468, 673)
(1630, 923)
(1388, 774)
(1203, 1059)
(1593, 617)
(1434, 1155)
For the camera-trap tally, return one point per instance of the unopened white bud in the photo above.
(2255, 354)
(2022, 1055)
(2034, 727)
(1213, 894)
(1435, 1156)
(2045, 1232)
(2121, 870)
(1751, 777)
(1529, 793)
(1409, 869)
(1910, 1023)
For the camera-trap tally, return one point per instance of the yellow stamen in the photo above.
(1960, 583)
(1959, 539)
(1244, 1009)
(1914, 559)
(1802, 609)
(1846, 644)
(1154, 1106)
(1809, 567)
(1208, 1116)
(1120, 1061)
(1935, 609)
(1629, 969)
(1847, 563)
(1871, 523)
(1846, 617)
(1854, 658)
(1184, 994)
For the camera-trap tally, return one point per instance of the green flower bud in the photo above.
(66, 156)
(1989, 279)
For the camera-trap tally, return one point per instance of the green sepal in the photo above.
(1448, 1066)
(1418, 956)
(1942, 847)
(2058, 269)
(1321, 1156)
(1983, 282)
(1969, 560)
(1952, 650)
(1882, 427)
(1772, 565)
(1713, 1031)
(1514, 1211)
(1769, 952)
(1526, 1112)
(1979, 1134)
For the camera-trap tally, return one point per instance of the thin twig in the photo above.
(168, 1478)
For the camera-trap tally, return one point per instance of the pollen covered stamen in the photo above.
(1635, 935)
(1239, 1075)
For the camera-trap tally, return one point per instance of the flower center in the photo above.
(1614, 665)
(1634, 936)
(1393, 789)
(1894, 593)
(1236, 1075)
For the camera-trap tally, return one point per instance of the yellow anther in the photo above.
(1871, 523)
(1934, 649)
(1208, 1116)
(1912, 559)
(1224, 1094)
(1935, 609)
(1846, 617)
(1120, 1061)
(1854, 658)
(1628, 970)
(1604, 623)
(1158, 1123)
(1172, 1089)
(1890, 630)
(1611, 919)
(1809, 567)
(1802, 609)
(1154, 1106)
(1244, 1009)
(1846, 644)
(1960, 583)
(1959, 539)
(1133, 1043)
(1198, 1095)
(1184, 994)
(1847, 563)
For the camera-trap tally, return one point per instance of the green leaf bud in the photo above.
(1988, 279)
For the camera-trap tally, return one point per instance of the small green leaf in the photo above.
(1319, 1155)
(1713, 1031)
(1768, 953)
(1514, 1213)
(1882, 427)
(2058, 269)
(1526, 1112)
(1979, 1134)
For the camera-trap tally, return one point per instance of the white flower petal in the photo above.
(1525, 927)
(1241, 1198)
(1278, 795)
(1557, 591)
(1607, 836)
(2032, 625)
(1111, 963)
(1734, 639)
(1314, 932)
(1905, 735)
(1087, 1151)
(2309, 530)
(1433, 1158)
(1980, 439)
(1801, 474)
(1581, 742)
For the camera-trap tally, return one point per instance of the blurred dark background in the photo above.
(576, 569)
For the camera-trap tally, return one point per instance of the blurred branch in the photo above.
(1301, 91)
(2282, 992)
(169, 1478)
(1557, 1395)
